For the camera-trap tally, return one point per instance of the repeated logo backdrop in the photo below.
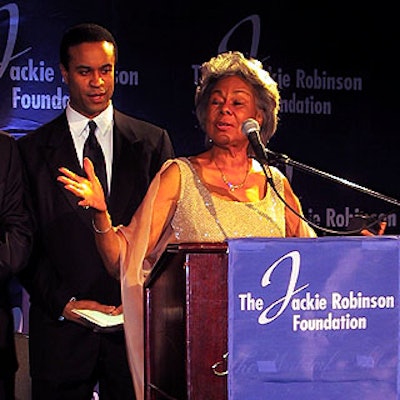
(329, 60)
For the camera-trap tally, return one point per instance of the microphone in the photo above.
(251, 129)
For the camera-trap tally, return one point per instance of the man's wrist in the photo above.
(61, 317)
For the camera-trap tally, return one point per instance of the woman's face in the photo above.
(232, 101)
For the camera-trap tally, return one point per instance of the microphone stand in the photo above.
(278, 158)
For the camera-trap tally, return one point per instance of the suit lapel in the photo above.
(129, 175)
(123, 174)
(60, 152)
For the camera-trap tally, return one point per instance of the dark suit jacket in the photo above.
(65, 262)
(15, 243)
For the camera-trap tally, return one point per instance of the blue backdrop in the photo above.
(333, 62)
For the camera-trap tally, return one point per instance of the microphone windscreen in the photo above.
(250, 125)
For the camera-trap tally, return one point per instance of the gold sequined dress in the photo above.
(202, 217)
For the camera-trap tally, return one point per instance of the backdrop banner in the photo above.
(313, 318)
(334, 69)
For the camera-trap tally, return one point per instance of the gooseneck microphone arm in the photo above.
(277, 158)
(251, 129)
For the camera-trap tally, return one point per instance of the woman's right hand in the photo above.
(88, 189)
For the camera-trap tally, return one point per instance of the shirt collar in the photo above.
(78, 122)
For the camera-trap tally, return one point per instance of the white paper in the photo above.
(101, 319)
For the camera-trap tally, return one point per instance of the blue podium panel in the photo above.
(313, 319)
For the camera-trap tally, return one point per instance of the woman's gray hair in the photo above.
(233, 63)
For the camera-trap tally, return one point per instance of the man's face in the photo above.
(90, 77)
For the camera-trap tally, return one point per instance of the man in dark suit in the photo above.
(15, 246)
(66, 271)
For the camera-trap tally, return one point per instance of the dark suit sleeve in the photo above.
(161, 151)
(15, 218)
(166, 148)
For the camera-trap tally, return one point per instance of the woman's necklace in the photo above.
(232, 187)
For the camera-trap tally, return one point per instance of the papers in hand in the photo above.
(100, 319)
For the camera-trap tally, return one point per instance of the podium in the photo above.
(186, 308)
(301, 319)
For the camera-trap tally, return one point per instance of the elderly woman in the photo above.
(221, 193)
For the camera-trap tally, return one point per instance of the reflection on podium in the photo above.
(186, 323)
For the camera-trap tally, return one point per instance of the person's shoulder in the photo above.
(276, 172)
(129, 123)
(7, 142)
(6, 137)
(48, 128)
(175, 165)
(175, 161)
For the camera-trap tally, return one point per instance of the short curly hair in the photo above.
(234, 63)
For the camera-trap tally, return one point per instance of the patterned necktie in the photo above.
(92, 150)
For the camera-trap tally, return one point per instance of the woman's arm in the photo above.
(90, 192)
(295, 226)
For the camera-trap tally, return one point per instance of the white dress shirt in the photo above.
(78, 125)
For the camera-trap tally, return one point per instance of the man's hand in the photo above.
(87, 305)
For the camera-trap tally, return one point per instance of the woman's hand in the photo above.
(381, 230)
(88, 189)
